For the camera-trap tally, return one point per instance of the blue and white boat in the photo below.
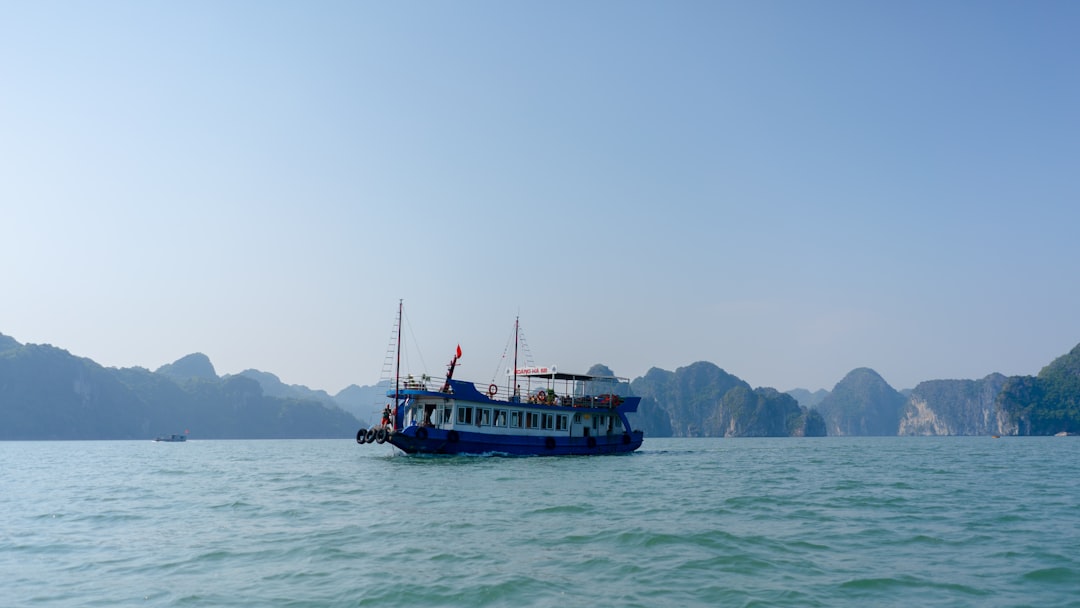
(538, 411)
(174, 438)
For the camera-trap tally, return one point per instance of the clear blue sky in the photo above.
(787, 189)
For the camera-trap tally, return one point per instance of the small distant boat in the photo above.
(171, 438)
(553, 414)
(1064, 434)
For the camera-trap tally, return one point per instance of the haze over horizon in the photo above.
(787, 190)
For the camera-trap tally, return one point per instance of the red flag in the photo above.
(458, 351)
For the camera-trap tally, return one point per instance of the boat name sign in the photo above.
(529, 371)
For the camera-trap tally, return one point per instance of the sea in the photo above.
(844, 521)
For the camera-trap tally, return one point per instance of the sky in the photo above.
(787, 189)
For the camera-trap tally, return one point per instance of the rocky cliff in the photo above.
(955, 407)
(1046, 404)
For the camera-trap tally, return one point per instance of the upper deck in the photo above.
(551, 389)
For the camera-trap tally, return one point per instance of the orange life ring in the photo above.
(541, 397)
(492, 389)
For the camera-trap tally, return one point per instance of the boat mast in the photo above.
(513, 388)
(397, 369)
(450, 370)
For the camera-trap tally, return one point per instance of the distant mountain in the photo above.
(652, 418)
(195, 366)
(273, 386)
(762, 412)
(686, 396)
(364, 402)
(47, 393)
(704, 400)
(7, 343)
(862, 404)
(1020, 405)
(955, 407)
(806, 398)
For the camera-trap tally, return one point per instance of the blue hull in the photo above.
(438, 441)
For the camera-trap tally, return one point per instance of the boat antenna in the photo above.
(517, 332)
(397, 370)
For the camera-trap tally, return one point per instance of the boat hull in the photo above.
(439, 441)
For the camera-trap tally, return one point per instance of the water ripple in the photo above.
(692, 522)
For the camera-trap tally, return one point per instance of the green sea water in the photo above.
(897, 521)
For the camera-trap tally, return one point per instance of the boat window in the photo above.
(532, 420)
(464, 415)
(560, 422)
(445, 416)
(483, 417)
(515, 419)
(500, 417)
(577, 418)
(547, 421)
